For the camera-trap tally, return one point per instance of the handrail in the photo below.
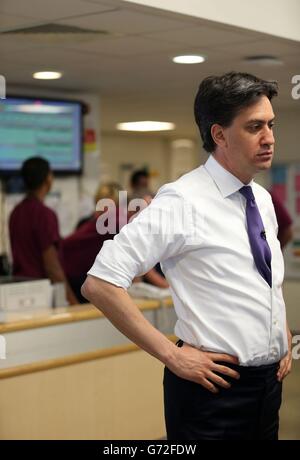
(23, 321)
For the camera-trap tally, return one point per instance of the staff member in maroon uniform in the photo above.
(80, 249)
(33, 229)
(284, 220)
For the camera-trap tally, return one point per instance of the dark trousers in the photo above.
(247, 410)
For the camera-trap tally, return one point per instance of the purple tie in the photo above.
(257, 236)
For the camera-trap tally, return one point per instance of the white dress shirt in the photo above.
(196, 227)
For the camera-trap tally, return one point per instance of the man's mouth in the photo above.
(266, 153)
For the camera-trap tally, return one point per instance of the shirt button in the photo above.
(275, 323)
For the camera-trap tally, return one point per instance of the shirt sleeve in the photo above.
(158, 233)
(47, 233)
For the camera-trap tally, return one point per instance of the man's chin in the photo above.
(262, 165)
(265, 166)
(261, 168)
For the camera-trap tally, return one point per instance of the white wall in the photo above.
(137, 150)
(154, 151)
(279, 17)
(287, 135)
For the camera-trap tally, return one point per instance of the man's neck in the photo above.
(243, 176)
(38, 194)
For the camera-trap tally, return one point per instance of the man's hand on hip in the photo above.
(200, 367)
(285, 366)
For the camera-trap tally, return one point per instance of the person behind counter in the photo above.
(284, 220)
(80, 249)
(33, 229)
(140, 182)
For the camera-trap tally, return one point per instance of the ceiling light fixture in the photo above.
(144, 126)
(264, 60)
(188, 59)
(47, 75)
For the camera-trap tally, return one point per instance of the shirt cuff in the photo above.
(99, 270)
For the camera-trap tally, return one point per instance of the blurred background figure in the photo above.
(140, 183)
(33, 229)
(108, 190)
(285, 223)
(80, 249)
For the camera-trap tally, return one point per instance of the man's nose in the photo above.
(268, 137)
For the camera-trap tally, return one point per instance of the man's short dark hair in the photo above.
(137, 175)
(34, 172)
(221, 98)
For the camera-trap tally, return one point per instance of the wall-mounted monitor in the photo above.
(48, 128)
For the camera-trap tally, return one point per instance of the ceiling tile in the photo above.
(8, 21)
(125, 22)
(274, 47)
(50, 10)
(202, 36)
(123, 47)
(134, 73)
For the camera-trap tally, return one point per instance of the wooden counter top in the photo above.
(22, 321)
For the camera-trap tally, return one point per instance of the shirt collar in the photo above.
(226, 182)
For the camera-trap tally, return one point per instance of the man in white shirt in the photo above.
(214, 231)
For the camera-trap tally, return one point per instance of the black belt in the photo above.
(263, 367)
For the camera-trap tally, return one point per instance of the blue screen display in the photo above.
(40, 127)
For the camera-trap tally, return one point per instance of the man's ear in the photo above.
(217, 133)
(49, 180)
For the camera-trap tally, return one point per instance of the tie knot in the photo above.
(247, 192)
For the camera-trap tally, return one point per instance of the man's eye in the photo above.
(254, 127)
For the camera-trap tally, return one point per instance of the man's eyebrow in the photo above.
(259, 120)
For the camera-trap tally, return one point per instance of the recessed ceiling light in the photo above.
(47, 75)
(188, 59)
(263, 60)
(145, 126)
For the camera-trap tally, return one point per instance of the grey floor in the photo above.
(290, 409)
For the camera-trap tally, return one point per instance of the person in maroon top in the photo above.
(285, 230)
(79, 250)
(33, 229)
